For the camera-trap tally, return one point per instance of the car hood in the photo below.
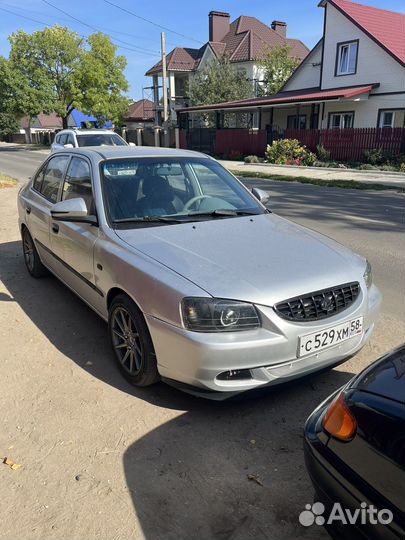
(261, 259)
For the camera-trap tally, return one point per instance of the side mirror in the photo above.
(132, 144)
(261, 195)
(68, 145)
(72, 210)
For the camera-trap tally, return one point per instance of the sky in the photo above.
(185, 22)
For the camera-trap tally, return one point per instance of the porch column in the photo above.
(297, 121)
(218, 119)
(259, 117)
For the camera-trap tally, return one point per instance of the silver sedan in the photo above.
(201, 285)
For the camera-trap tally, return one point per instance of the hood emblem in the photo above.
(327, 304)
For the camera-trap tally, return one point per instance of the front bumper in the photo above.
(270, 352)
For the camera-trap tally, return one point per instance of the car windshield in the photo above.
(172, 190)
(100, 139)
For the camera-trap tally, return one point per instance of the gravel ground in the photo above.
(101, 459)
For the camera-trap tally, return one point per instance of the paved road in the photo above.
(20, 163)
(370, 222)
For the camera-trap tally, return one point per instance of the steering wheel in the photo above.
(191, 202)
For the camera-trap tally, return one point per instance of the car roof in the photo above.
(112, 152)
(86, 131)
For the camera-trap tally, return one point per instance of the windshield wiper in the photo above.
(148, 219)
(225, 212)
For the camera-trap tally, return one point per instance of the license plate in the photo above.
(312, 343)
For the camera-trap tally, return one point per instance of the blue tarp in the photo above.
(79, 119)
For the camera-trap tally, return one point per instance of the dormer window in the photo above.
(346, 58)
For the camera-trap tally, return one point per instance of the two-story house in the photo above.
(353, 77)
(245, 41)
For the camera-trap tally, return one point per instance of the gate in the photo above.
(201, 140)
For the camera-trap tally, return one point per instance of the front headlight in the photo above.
(217, 315)
(368, 276)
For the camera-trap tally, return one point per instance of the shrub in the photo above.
(367, 167)
(289, 152)
(402, 167)
(322, 153)
(252, 159)
(374, 156)
(388, 168)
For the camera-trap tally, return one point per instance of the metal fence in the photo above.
(350, 144)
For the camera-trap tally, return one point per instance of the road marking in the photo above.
(368, 220)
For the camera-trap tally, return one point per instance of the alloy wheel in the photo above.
(126, 341)
(28, 248)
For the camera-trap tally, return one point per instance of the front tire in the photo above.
(31, 257)
(131, 342)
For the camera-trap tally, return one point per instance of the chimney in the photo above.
(218, 25)
(280, 27)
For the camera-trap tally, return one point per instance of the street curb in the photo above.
(307, 168)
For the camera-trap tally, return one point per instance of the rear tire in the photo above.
(31, 257)
(131, 342)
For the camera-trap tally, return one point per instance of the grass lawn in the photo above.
(7, 181)
(345, 184)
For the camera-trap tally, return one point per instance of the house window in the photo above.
(346, 61)
(341, 120)
(387, 119)
(391, 118)
(297, 122)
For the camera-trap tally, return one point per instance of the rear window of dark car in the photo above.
(386, 377)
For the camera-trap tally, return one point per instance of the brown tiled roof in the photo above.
(247, 39)
(44, 121)
(141, 111)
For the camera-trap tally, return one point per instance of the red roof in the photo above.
(312, 95)
(387, 28)
(248, 39)
(141, 111)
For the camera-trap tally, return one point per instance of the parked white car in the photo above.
(77, 138)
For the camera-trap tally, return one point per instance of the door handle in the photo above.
(55, 228)
(28, 209)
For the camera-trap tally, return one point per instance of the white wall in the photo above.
(365, 112)
(374, 65)
(307, 75)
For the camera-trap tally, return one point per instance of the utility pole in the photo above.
(164, 76)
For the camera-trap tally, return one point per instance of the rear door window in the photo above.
(52, 177)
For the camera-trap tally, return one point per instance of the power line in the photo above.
(47, 24)
(141, 49)
(104, 30)
(150, 22)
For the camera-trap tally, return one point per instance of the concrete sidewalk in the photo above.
(322, 173)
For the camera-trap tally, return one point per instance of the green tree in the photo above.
(277, 66)
(65, 71)
(218, 81)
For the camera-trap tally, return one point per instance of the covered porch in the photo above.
(340, 119)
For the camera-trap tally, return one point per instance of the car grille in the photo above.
(320, 304)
